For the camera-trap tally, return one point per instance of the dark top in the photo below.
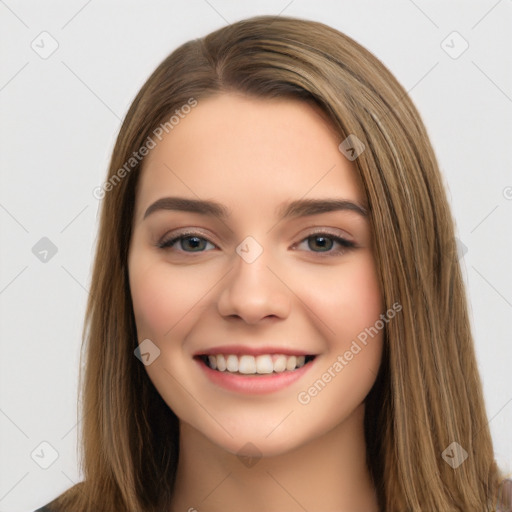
(504, 498)
(45, 508)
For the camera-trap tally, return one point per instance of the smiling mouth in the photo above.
(255, 365)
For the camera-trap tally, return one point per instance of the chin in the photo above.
(256, 446)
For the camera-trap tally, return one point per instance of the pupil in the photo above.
(194, 241)
(322, 244)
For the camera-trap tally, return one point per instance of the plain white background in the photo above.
(60, 114)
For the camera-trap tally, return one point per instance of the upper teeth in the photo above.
(247, 364)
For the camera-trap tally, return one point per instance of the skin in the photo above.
(253, 155)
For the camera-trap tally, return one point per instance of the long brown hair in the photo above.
(428, 393)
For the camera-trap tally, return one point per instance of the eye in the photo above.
(321, 240)
(190, 240)
(325, 241)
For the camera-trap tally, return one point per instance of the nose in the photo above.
(254, 291)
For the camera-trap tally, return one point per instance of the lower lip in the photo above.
(257, 384)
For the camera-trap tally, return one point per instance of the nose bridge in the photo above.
(252, 291)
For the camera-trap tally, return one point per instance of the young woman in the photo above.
(277, 319)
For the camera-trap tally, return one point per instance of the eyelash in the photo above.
(346, 245)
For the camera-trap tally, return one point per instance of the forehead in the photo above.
(249, 151)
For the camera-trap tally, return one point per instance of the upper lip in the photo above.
(254, 351)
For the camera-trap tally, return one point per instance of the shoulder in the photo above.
(68, 501)
(504, 503)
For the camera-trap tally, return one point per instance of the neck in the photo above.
(327, 474)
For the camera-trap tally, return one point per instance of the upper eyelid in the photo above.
(310, 231)
(191, 232)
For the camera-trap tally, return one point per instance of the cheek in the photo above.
(362, 300)
(346, 301)
(352, 309)
(161, 297)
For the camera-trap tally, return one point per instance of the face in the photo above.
(257, 297)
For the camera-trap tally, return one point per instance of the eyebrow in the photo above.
(298, 208)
